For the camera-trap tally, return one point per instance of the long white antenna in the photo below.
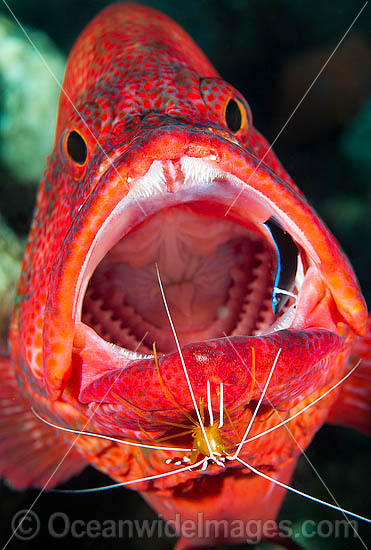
(221, 406)
(108, 437)
(211, 455)
(305, 408)
(257, 406)
(133, 481)
(315, 499)
(209, 405)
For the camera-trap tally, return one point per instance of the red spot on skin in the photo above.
(38, 341)
(51, 362)
(57, 347)
(39, 359)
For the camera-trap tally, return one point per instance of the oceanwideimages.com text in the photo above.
(26, 525)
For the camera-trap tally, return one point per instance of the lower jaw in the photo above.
(132, 390)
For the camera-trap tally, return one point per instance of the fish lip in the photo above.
(262, 183)
(138, 389)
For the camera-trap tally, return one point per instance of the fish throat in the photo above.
(218, 276)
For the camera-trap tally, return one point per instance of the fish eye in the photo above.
(76, 147)
(233, 115)
(227, 106)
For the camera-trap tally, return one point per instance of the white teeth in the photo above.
(199, 171)
(299, 279)
(152, 183)
(130, 354)
(282, 322)
(196, 172)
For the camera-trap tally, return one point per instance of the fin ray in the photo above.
(30, 451)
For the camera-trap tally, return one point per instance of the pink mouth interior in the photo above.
(217, 275)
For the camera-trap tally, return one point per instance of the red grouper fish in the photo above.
(164, 218)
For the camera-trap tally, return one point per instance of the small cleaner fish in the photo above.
(185, 322)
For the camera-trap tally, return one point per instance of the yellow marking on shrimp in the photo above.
(129, 405)
(199, 445)
(261, 420)
(143, 431)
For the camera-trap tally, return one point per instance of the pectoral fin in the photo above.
(31, 453)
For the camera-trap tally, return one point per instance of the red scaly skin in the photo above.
(138, 90)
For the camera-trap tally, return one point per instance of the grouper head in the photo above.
(157, 163)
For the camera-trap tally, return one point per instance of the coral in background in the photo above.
(11, 251)
(28, 99)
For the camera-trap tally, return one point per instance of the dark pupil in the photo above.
(76, 148)
(233, 116)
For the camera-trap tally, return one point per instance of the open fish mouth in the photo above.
(233, 282)
(238, 275)
(223, 275)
